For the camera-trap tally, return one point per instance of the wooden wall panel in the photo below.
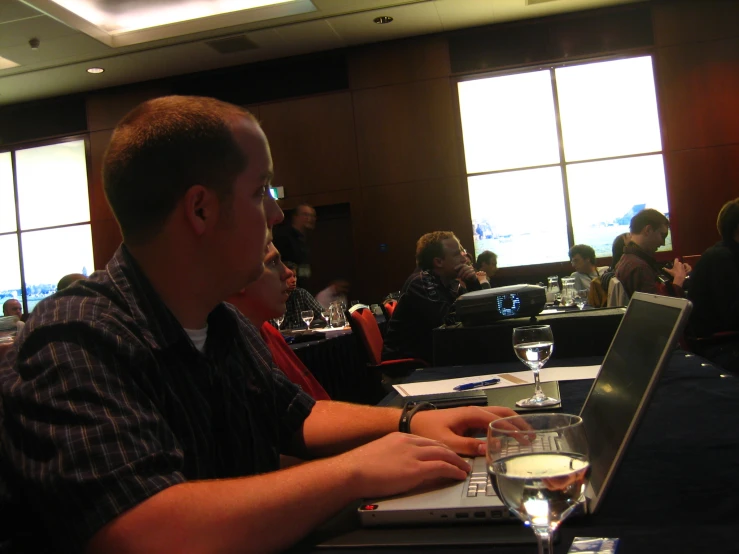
(686, 21)
(406, 132)
(105, 108)
(396, 216)
(701, 181)
(99, 208)
(698, 89)
(401, 61)
(313, 143)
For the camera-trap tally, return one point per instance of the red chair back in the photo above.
(390, 307)
(365, 322)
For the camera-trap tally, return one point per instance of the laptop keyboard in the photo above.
(479, 481)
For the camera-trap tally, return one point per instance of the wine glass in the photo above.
(326, 315)
(581, 298)
(279, 320)
(533, 345)
(539, 466)
(307, 316)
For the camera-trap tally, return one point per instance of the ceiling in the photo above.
(59, 65)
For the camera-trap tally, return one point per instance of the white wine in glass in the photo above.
(533, 345)
(539, 467)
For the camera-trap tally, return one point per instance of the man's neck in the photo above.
(181, 285)
(444, 280)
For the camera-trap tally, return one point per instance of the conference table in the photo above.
(676, 489)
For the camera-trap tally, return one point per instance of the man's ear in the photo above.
(201, 208)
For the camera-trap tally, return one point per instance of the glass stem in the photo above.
(537, 383)
(544, 538)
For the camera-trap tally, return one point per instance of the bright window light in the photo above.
(7, 196)
(52, 185)
(5, 63)
(51, 254)
(131, 15)
(520, 215)
(508, 122)
(629, 184)
(10, 271)
(608, 109)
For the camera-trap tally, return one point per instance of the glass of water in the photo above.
(539, 466)
(533, 345)
(307, 316)
(279, 320)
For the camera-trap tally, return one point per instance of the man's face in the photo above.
(453, 258)
(13, 307)
(244, 226)
(267, 295)
(490, 268)
(292, 281)
(579, 264)
(305, 219)
(655, 237)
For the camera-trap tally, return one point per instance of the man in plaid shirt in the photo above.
(142, 413)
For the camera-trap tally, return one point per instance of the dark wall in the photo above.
(380, 133)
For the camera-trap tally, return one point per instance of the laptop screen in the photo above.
(619, 389)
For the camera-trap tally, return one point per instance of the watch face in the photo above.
(508, 304)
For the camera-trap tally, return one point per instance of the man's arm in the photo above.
(251, 514)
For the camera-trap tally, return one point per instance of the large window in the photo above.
(561, 156)
(44, 220)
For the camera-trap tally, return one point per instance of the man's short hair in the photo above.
(728, 219)
(646, 217)
(292, 266)
(299, 209)
(162, 148)
(430, 246)
(67, 280)
(586, 252)
(486, 257)
(7, 302)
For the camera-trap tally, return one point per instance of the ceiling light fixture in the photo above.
(95, 70)
(383, 19)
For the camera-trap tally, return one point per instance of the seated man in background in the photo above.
(299, 301)
(427, 296)
(487, 261)
(582, 258)
(263, 300)
(163, 420)
(714, 291)
(67, 280)
(337, 290)
(12, 307)
(637, 270)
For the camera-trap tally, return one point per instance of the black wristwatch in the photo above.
(409, 410)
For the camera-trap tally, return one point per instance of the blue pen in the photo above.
(478, 384)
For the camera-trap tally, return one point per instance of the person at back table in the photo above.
(264, 300)
(427, 296)
(714, 291)
(12, 307)
(582, 258)
(336, 291)
(292, 242)
(299, 300)
(638, 270)
(162, 417)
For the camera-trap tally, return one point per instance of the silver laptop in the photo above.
(640, 349)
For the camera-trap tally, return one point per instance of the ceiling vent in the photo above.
(232, 44)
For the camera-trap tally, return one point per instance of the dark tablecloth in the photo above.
(677, 488)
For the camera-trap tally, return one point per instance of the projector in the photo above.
(481, 307)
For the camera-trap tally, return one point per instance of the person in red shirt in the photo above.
(263, 300)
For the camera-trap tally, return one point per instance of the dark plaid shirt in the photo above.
(299, 300)
(107, 402)
(638, 271)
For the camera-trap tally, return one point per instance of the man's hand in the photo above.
(466, 272)
(679, 271)
(453, 426)
(399, 462)
(482, 277)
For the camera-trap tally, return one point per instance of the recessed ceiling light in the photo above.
(95, 70)
(383, 19)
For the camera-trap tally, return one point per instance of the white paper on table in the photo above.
(512, 379)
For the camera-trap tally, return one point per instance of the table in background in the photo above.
(677, 488)
(576, 333)
(339, 363)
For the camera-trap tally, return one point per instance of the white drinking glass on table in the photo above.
(533, 344)
(552, 288)
(568, 291)
(307, 317)
(326, 315)
(581, 298)
(539, 466)
(279, 321)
